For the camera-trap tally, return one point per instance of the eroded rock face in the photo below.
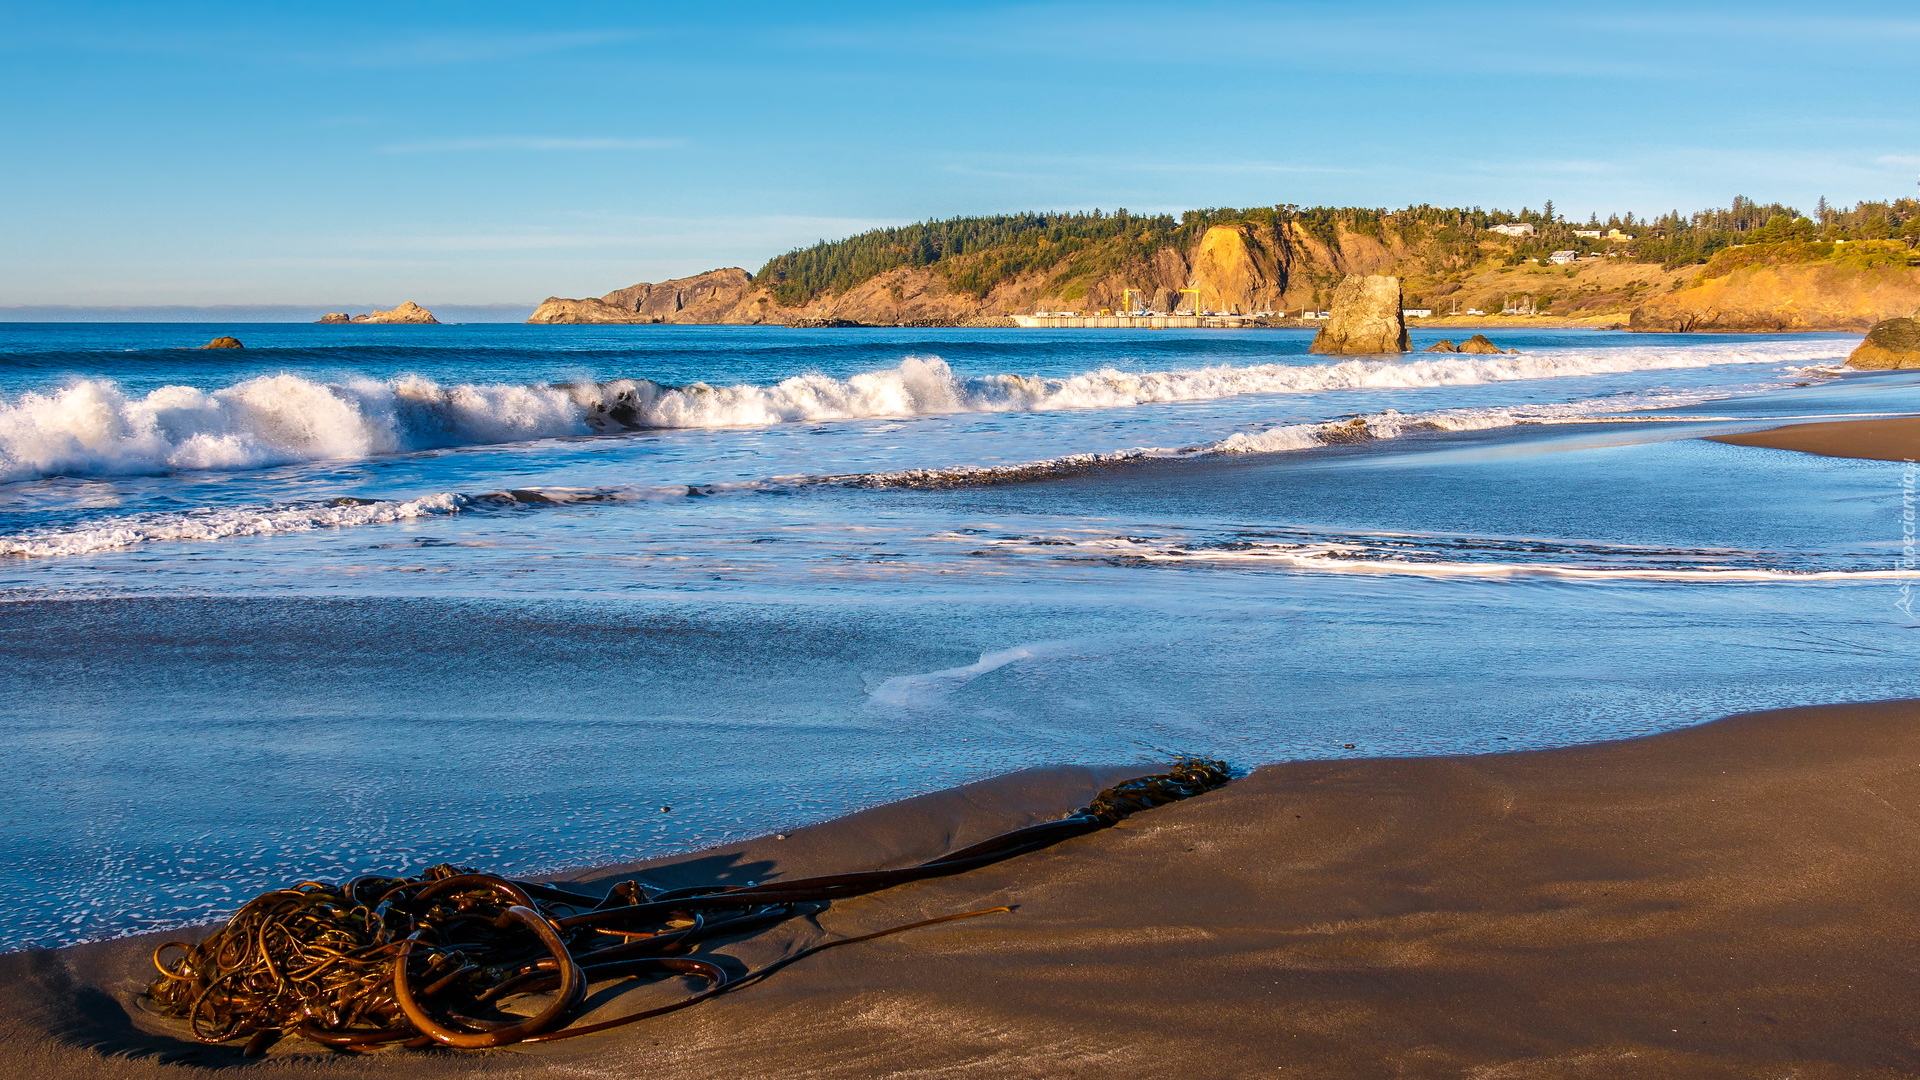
(1364, 319)
(1224, 270)
(334, 317)
(1894, 343)
(408, 312)
(703, 298)
(224, 343)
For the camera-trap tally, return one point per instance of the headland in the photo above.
(1750, 268)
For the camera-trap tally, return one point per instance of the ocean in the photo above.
(371, 598)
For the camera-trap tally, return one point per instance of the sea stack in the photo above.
(1892, 343)
(224, 343)
(408, 312)
(335, 317)
(1365, 318)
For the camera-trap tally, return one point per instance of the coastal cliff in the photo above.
(1750, 268)
(1792, 287)
(717, 296)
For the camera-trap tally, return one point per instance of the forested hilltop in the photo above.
(1769, 261)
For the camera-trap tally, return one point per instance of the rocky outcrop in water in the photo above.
(1365, 318)
(334, 317)
(224, 343)
(1443, 345)
(1478, 343)
(1893, 343)
(408, 312)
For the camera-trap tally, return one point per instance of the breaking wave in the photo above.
(92, 427)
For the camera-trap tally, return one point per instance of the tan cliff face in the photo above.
(716, 296)
(1225, 273)
(1256, 267)
(1808, 296)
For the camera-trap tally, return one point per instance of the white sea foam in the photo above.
(92, 427)
(219, 523)
(1391, 424)
(1330, 563)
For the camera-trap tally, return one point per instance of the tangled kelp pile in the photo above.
(438, 957)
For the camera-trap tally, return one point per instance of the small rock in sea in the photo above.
(666, 809)
(1443, 345)
(224, 343)
(1346, 746)
(1892, 343)
(335, 317)
(1478, 343)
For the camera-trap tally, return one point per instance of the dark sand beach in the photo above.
(1730, 900)
(1895, 438)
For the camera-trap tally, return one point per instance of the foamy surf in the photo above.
(1281, 438)
(1331, 564)
(1437, 557)
(93, 427)
(221, 523)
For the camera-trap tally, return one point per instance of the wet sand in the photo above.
(1889, 439)
(1731, 900)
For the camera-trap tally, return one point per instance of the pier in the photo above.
(1140, 321)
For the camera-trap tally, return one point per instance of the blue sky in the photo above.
(222, 153)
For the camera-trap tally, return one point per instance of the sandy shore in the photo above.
(1890, 439)
(1732, 900)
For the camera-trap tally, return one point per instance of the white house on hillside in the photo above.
(1519, 229)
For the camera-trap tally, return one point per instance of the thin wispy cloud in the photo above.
(1229, 168)
(435, 49)
(509, 142)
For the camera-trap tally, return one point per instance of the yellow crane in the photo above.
(1196, 299)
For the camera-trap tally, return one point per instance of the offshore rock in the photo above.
(1443, 345)
(408, 312)
(224, 343)
(1894, 343)
(1478, 343)
(334, 317)
(1365, 318)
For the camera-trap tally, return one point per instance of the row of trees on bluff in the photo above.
(975, 254)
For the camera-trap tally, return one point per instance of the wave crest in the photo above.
(94, 428)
